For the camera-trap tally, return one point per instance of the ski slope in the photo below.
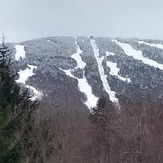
(23, 77)
(82, 82)
(160, 46)
(25, 74)
(114, 70)
(20, 52)
(137, 54)
(101, 71)
(77, 57)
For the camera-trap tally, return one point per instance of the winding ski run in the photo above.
(82, 82)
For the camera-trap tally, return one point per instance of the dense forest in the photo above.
(45, 132)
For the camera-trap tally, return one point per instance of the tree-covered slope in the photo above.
(114, 68)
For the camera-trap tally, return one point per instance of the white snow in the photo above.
(77, 57)
(101, 71)
(20, 52)
(137, 54)
(25, 74)
(109, 53)
(82, 82)
(68, 73)
(114, 70)
(23, 77)
(160, 46)
(86, 88)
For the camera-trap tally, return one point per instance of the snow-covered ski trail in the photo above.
(137, 54)
(20, 52)
(82, 82)
(160, 46)
(114, 70)
(23, 77)
(25, 74)
(101, 71)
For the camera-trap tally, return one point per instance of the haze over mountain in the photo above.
(77, 71)
(23, 20)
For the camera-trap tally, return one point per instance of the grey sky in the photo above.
(27, 19)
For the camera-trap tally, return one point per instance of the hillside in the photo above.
(76, 72)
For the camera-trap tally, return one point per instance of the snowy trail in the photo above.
(25, 74)
(137, 54)
(114, 70)
(101, 71)
(82, 83)
(160, 46)
(20, 52)
(23, 77)
(77, 57)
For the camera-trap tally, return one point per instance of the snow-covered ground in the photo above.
(137, 54)
(114, 70)
(160, 46)
(109, 53)
(82, 82)
(20, 52)
(101, 71)
(23, 77)
(77, 57)
(25, 74)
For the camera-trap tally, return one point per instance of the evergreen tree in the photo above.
(101, 119)
(16, 108)
(101, 113)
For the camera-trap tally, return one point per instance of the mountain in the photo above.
(76, 72)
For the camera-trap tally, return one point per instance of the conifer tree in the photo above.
(100, 120)
(100, 114)
(16, 108)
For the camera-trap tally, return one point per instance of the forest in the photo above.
(42, 131)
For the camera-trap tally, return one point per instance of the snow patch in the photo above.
(23, 77)
(114, 70)
(82, 83)
(25, 74)
(20, 52)
(109, 53)
(77, 57)
(101, 71)
(137, 54)
(160, 46)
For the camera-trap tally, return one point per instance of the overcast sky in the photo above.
(27, 19)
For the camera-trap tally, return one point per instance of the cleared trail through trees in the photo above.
(82, 82)
(101, 71)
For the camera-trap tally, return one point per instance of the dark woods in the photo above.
(132, 133)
